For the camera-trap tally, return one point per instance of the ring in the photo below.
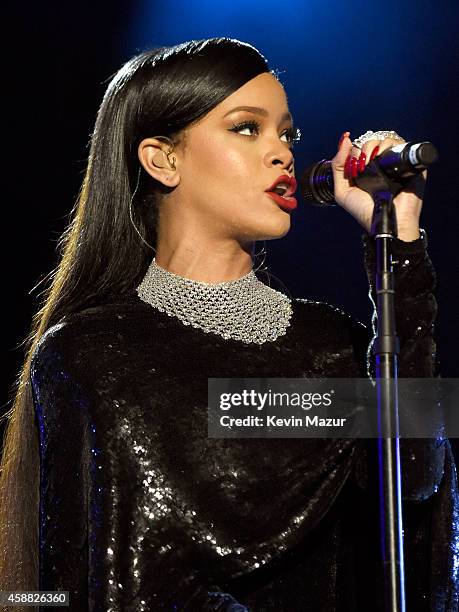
(380, 135)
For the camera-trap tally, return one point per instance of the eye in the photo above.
(293, 134)
(246, 125)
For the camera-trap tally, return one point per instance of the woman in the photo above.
(135, 508)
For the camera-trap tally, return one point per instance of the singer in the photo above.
(111, 488)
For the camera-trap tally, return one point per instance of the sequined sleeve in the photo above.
(71, 554)
(415, 313)
(61, 409)
(415, 303)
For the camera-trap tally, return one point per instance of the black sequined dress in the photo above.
(140, 510)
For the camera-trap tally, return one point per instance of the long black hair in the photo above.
(158, 92)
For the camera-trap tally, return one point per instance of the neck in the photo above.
(216, 263)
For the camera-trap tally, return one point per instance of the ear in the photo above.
(158, 160)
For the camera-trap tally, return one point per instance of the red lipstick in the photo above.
(285, 187)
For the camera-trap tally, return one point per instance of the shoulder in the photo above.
(79, 335)
(327, 316)
(329, 330)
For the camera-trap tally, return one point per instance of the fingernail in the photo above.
(374, 153)
(362, 160)
(354, 167)
(347, 166)
(342, 138)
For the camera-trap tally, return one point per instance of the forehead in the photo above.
(263, 91)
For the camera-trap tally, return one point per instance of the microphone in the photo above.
(402, 161)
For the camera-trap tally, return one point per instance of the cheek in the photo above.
(222, 171)
(225, 160)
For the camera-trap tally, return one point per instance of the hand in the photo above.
(346, 165)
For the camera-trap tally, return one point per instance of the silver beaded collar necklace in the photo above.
(243, 309)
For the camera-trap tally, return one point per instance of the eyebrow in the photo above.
(258, 111)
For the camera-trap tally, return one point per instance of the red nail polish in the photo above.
(354, 167)
(362, 161)
(347, 166)
(375, 153)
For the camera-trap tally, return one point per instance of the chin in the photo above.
(264, 225)
(278, 228)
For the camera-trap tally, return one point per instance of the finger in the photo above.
(341, 159)
(370, 150)
(373, 148)
(356, 150)
(344, 147)
(383, 145)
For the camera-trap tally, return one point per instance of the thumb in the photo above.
(344, 148)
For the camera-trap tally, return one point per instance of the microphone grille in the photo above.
(316, 184)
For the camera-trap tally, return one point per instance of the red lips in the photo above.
(286, 201)
(290, 181)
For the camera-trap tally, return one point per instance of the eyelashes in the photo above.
(293, 133)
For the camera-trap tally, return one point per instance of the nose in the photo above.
(281, 157)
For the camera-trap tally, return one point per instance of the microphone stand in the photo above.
(383, 180)
(386, 349)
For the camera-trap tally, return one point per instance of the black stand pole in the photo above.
(386, 348)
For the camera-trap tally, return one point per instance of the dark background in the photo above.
(347, 66)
